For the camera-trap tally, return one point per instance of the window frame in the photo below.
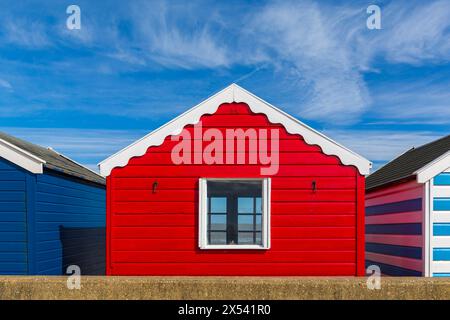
(203, 216)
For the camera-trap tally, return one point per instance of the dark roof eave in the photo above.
(390, 183)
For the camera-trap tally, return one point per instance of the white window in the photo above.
(234, 213)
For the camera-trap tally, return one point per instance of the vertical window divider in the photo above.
(254, 219)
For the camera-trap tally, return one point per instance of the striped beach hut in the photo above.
(52, 212)
(408, 213)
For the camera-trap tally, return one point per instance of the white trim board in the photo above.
(234, 93)
(433, 168)
(77, 163)
(20, 157)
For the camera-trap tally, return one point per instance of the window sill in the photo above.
(234, 247)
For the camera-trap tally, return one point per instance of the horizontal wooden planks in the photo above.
(232, 171)
(277, 195)
(229, 269)
(192, 244)
(13, 237)
(155, 232)
(284, 183)
(235, 257)
(70, 225)
(293, 158)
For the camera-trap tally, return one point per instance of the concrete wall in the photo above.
(252, 288)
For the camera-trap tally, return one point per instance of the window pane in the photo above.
(245, 205)
(245, 222)
(258, 222)
(218, 237)
(218, 222)
(258, 205)
(218, 205)
(258, 238)
(245, 238)
(234, 212)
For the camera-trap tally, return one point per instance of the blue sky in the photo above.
(136, 64)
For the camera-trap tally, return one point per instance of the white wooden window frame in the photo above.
(203, 216)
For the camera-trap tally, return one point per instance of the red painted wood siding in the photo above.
(312, 233)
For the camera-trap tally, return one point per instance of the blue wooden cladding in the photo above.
(441, 229)
(441, 204)
(395, 228)
(50, 221)
(13, 232)
(392, 270)
(395, 250)
(395, 207)
(442, 179)
(441, 254)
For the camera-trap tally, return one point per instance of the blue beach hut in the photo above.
(52, 212)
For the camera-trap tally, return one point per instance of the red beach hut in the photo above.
(235, 186)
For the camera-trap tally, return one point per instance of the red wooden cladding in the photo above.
(277, 195)
(312, 232)
(245, 133)
(314, 208)
(295, 158)
(307, 208)
(286, 145)
(228, 269)
(360, 228)
(233, 171)
(187, 230)
(173, 183)
(236, 257)
(288, 220)
(297, 245)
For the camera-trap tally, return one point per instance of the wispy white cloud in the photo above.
(381, 146)
(305, 36)
(330, 49)
(413, 33)
(173, 42)
(5, 84)
(319, 51)
(25, 33)
(419, 102)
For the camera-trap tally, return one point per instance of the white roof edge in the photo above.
(76, 162)
(235, 93)
(433, 168)
(20, 157)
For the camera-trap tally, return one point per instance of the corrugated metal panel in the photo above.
(312, 233)
(70, 225)
(13, 237)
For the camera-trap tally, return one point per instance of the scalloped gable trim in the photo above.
(234, 93)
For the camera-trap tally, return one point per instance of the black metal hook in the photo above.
(155, 185)
(314, 186)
